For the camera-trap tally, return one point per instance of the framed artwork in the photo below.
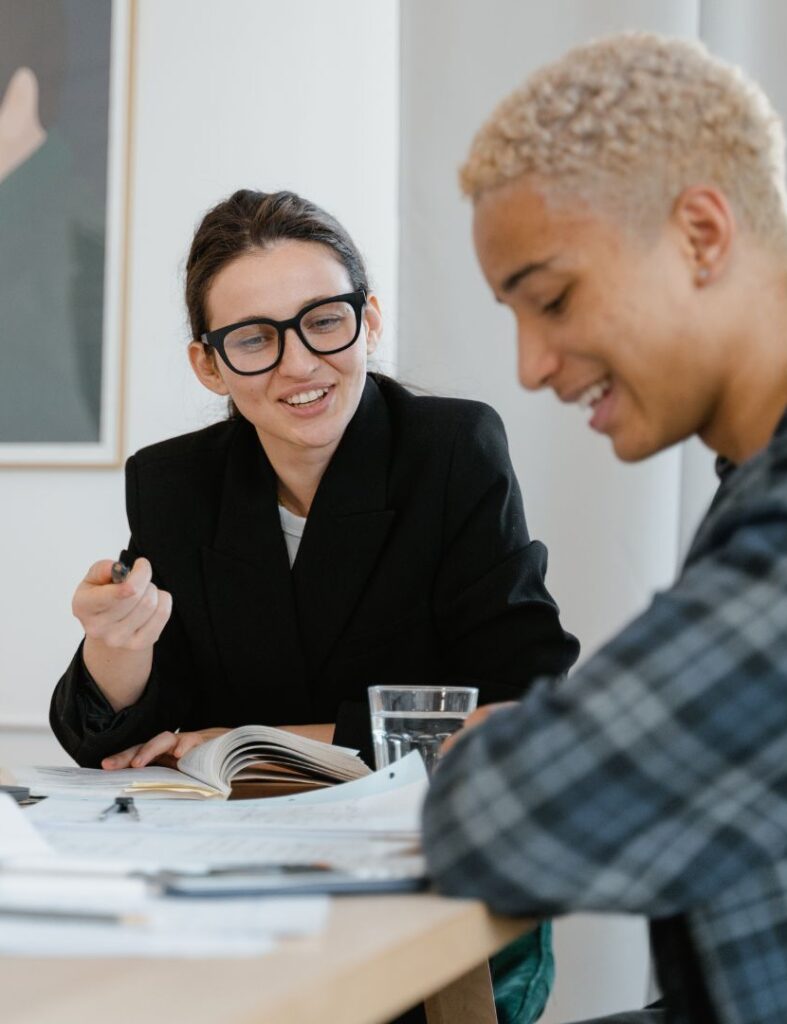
(65, 127)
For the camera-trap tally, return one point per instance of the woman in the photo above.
(335, 532)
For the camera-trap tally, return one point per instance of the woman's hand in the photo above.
(164, 749)
(127, 616)
(473, 719)
(122, 622)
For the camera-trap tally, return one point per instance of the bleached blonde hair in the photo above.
(632, 120)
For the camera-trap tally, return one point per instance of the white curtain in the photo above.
(615, 533)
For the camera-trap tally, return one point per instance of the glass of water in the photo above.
(406, 718)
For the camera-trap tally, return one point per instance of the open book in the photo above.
(252, 760)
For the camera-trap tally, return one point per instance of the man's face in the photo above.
(603, 318)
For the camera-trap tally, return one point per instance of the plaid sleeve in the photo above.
(657, 774)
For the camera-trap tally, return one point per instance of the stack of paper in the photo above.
(367, 822)
(75, 883)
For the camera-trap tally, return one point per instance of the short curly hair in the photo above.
(632, 120)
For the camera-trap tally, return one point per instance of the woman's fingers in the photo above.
(165, 748)
(143, 624)
(128, 615)
(188, 740)
(121, 760)
(97, 595)
(142, 753)
(160, 745)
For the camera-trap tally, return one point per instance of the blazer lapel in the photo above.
(249, 589)
(346, 529)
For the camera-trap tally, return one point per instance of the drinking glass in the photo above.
(406, 718)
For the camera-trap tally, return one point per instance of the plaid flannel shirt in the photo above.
(654, 780)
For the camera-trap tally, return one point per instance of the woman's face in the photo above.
(305, 402)
(607, 320)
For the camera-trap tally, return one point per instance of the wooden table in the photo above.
(378, 956)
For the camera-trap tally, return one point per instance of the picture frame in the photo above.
(64, 250)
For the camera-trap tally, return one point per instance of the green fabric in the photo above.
(522, 976)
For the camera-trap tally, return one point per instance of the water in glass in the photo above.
(397, 733)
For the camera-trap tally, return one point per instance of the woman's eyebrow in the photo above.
(303, 305)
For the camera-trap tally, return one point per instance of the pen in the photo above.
(121, 568)
(267, 869)
(70, 916)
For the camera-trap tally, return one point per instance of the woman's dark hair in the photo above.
(249, 221)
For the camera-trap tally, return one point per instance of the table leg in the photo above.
(468, 1000)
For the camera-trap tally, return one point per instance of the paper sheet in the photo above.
(151, 850)
(33, 879)
(381, 823)
(394, 813)
(169, 927)
(18, 836)
(386, 802)
(73, 781)
(82, 782)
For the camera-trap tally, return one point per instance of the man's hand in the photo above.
(473, 719)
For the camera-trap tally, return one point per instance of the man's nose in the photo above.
(537, 360)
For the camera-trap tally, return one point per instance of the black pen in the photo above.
(121, 568)
(70, 916)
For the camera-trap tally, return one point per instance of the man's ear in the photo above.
(373, 318)
(706, 222)
(204, 364)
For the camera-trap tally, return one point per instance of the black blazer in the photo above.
(415, 566)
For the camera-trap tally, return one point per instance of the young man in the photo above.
(630, 210)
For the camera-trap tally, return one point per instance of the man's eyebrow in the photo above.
(519, 275)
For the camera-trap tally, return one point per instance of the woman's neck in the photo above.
(299, 472)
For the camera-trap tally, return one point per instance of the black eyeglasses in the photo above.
(257, 345)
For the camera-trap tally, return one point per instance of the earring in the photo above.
(702, 275)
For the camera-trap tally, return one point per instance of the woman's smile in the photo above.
(311, 401)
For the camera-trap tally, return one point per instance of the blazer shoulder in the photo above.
(173, 488)
(214, 439)
(440, 416)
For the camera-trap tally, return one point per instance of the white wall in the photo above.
(242, 93)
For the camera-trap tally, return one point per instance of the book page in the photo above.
(219, 760)
(67, 780)
(18, 836)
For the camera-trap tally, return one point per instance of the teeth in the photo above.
(306, 396)
(594, 394)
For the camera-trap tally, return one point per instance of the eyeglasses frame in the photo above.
(215, 339)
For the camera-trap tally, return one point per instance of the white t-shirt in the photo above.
(292, 527)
